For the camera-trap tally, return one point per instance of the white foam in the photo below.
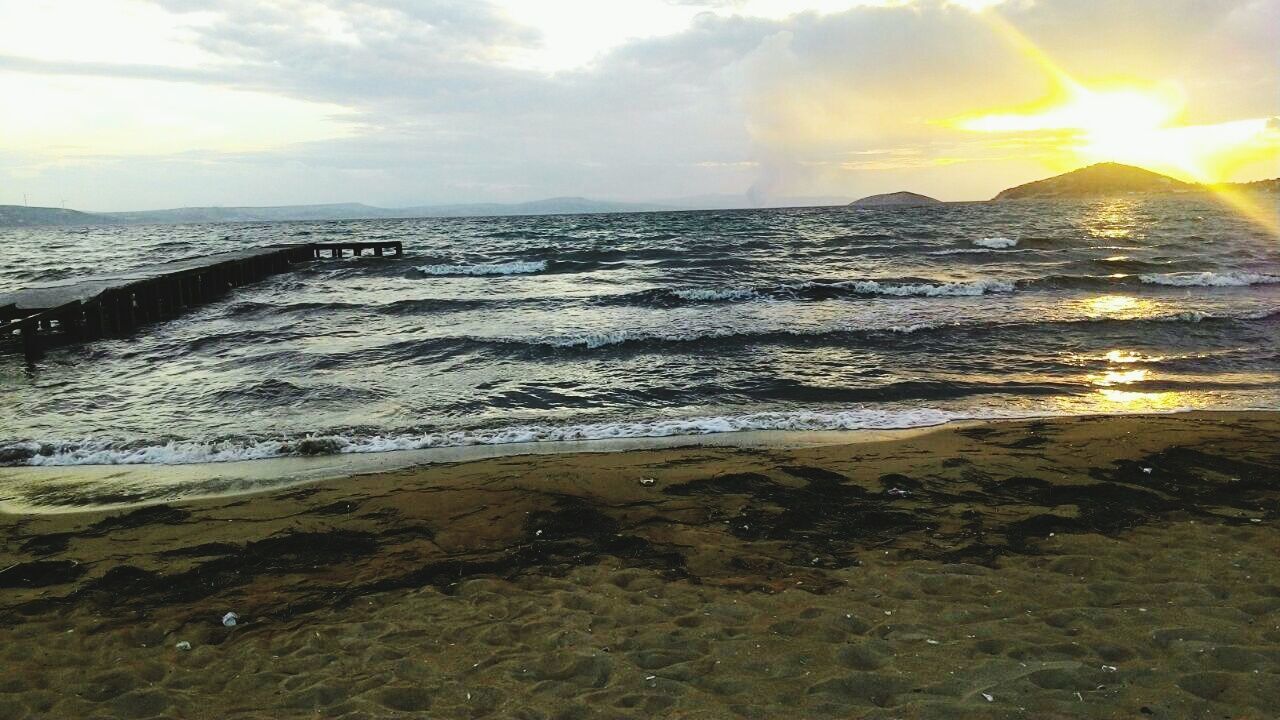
(996, 243)
(715, 294)
(515, 267)
(593, 340)
(1234, 278)
(100, 452)
(951, 289)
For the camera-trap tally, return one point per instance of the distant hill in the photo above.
(902, 198)
(337, 211)
(1267, 186)
(359, 211)
(23, 216)
(551, 206)
(1095, 180)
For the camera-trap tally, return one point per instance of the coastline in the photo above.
(58, 489)
(88, 487)
(1082, 566)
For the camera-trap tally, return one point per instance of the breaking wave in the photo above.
(646, 336)
(515, 267)
(1234, 278)
(715, 294)
(925, 289)
(995, 243)
(105, 452)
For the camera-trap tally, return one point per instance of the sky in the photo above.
(144, 104)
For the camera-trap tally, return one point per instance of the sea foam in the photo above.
(715, 294)
(103, 452)
(951, 289)
(995, 243)
(1233, 278)
(515, 267)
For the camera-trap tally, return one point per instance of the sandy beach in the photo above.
(1093, 567)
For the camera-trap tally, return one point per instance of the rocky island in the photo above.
(1094, 180)
(895, 199)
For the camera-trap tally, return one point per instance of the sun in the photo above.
(1138, 126)
(1127, 121)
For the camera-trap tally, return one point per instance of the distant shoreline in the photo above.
(1110, 179)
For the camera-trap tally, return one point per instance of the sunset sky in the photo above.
(135, 104)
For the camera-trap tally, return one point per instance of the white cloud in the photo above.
(417, 101)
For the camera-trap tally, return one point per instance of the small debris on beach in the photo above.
(898, 492)
(230, 619)
(989, 697)
(183, 645)
(648, 482)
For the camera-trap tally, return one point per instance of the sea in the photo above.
(498, 330)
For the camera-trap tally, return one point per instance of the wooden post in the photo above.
(70, 319)
(30, 339)
(132, 307)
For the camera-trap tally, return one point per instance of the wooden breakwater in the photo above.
(115, 304)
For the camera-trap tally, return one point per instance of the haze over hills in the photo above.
(23, 216)
(1095, 180)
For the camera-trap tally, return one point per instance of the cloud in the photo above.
(440, 108)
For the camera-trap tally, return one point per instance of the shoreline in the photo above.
(186, 482)
(1079, 567)
(133, 485)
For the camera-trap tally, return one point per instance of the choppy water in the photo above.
(576, 327)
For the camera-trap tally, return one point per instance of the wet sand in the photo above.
(1091, 567)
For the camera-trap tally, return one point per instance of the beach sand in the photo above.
(1095, 567)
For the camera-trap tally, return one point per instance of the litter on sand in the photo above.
(229, 620)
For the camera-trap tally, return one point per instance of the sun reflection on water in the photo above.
(1108, 398)
(1119, 377)
(1111, 219)
(1113, 399)
(1112, 305)
(1128, 356)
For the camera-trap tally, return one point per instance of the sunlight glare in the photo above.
(1134, 123)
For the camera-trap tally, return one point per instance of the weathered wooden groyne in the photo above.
(115, 304)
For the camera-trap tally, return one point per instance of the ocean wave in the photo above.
(918, 289)
(996, 243)
(514, 267)
(810, 290)
(715, 294)
(648, 336)
(1233, 278)
(173, 452)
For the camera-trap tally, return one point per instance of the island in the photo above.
(1101, 179)
(895, 199)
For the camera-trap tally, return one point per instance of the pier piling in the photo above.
(116, 304)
